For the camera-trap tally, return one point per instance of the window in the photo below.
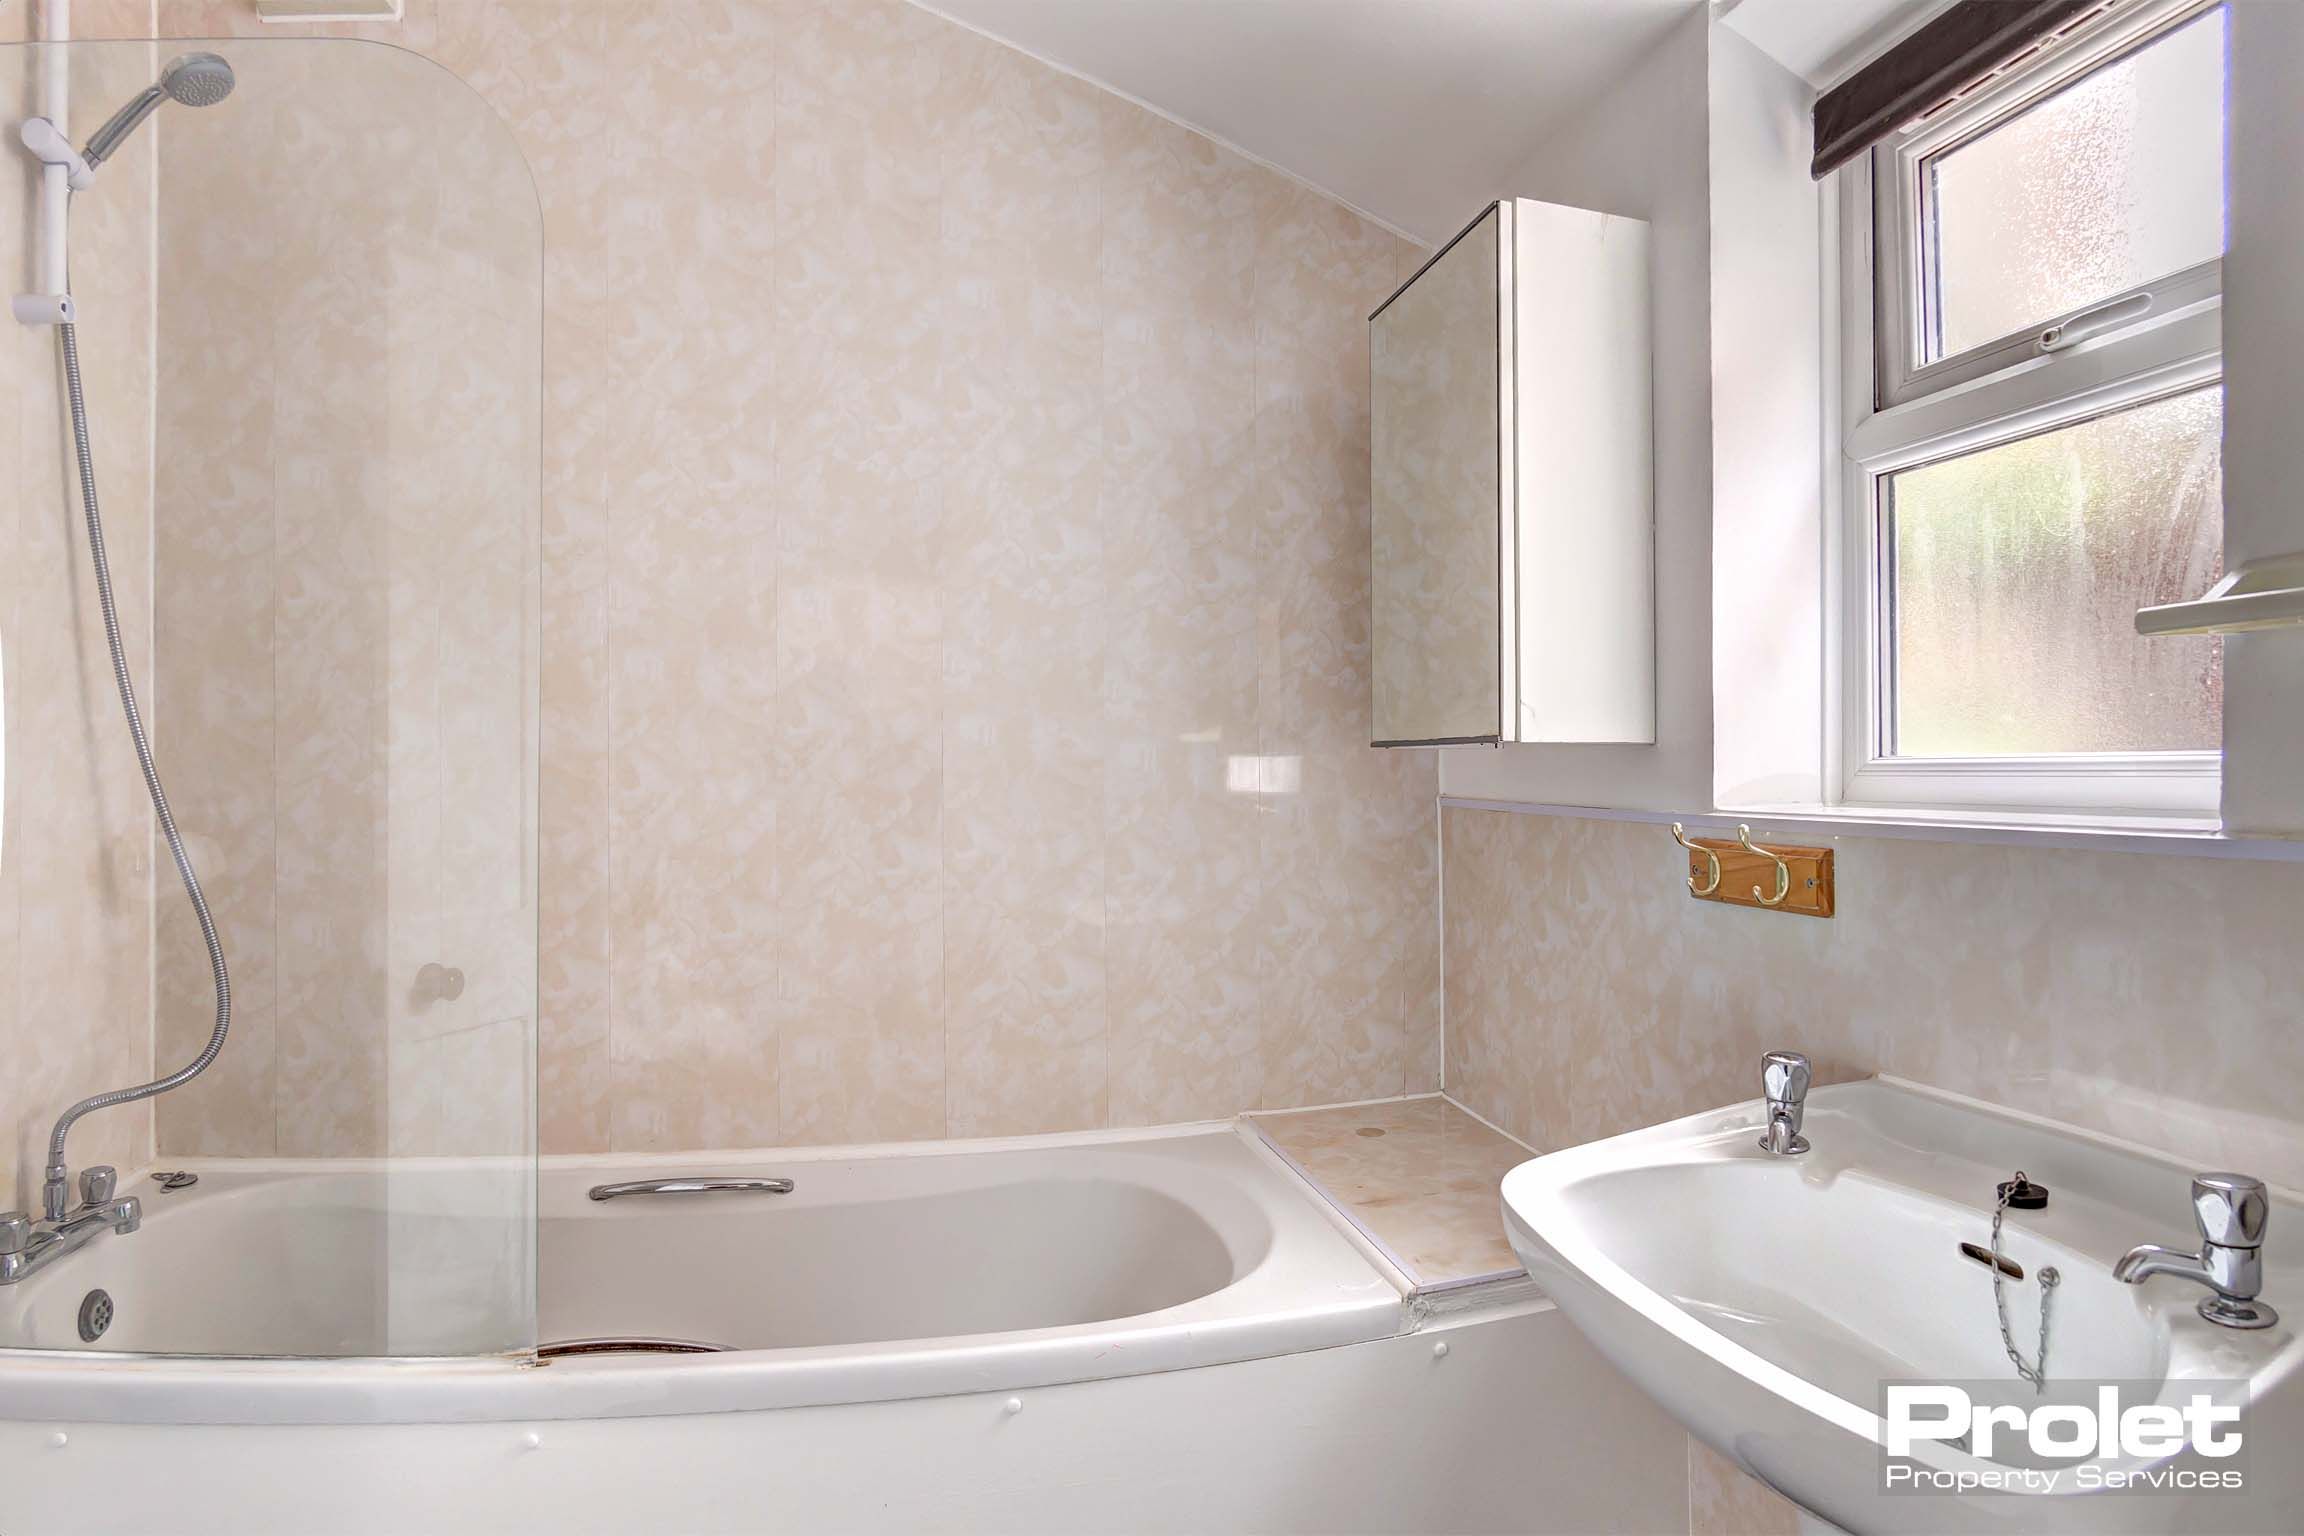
(2014, 576)
(2110, 183)
(2038, 452)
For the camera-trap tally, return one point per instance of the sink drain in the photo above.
(95, 1315)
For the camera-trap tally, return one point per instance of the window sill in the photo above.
(2180, 836)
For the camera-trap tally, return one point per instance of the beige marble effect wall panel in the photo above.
(543, 66)
(955, 573)
(216, 700)
(1588, 994)
(76, 870)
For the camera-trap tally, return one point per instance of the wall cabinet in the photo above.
(1512, 524)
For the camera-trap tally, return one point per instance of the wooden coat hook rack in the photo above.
(1742, 873)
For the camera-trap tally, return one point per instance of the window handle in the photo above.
(2087, 323)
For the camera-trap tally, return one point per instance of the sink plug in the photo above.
(2021, 1194)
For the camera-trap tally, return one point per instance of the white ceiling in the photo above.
(1410, 110)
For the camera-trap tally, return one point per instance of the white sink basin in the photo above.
(1764, 1301)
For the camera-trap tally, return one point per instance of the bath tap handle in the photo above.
(97, 1184)
(701, 1184)
(15, 1231)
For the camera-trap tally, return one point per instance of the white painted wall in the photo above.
(1641, 151)
(1768, 372)
(1520, 1426)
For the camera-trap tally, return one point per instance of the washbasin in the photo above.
(1770, 1302)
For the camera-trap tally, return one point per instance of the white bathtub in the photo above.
(1164, 1332)
(887, 1273)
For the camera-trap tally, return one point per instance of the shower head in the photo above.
(195, 79)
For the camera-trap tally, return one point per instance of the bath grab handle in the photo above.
(706, 1184)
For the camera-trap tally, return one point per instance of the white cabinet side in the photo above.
(1585, 444)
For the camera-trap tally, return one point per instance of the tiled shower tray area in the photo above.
(1417, 1177)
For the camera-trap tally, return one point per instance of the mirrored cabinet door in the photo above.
(1437, 497)
(1512, 587)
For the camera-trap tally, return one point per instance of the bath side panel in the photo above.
(1518, 1426)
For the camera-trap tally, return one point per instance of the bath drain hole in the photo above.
(95, 1315)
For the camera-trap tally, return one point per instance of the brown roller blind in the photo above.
(1953, 54)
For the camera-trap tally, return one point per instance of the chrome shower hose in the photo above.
(54, 1180)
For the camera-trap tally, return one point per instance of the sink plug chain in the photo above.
(2035, 1372)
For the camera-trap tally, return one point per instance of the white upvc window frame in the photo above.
(1899, 411)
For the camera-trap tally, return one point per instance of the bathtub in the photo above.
(891, 1272)
(1149, 1332)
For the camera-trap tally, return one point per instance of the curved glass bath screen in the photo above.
(310, 328)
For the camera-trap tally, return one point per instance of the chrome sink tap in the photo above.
(2230, 1210)
(1784, 1078)
(28, 1246)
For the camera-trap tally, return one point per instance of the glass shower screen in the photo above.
(311, 325)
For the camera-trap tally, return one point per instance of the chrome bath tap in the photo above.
(28, 1246)
(1784, 1078)
(2230, 1210)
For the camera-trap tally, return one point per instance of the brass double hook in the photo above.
(1707, 886)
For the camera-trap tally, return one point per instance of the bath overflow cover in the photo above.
(95, 1315)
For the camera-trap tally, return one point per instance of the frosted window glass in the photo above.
(2111, 183)
(2017, 573)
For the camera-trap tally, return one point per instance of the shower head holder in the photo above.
(48, 145)
(59, 162)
